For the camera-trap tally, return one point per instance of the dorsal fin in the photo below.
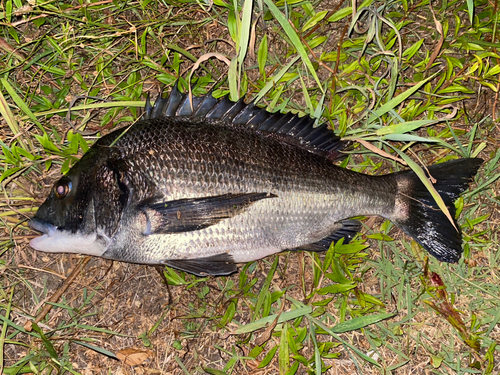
(286, 127)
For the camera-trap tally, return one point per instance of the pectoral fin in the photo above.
(191, 214)
(216, 265)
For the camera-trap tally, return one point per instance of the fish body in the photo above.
(203, 187)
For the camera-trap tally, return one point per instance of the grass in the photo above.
(401, 80)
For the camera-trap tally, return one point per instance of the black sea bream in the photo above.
(203, 187)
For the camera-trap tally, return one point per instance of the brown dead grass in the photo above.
(131, 298)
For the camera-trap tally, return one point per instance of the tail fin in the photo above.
(418, 215)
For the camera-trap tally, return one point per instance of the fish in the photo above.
(203, 184)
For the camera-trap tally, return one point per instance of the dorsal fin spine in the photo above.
(148, 108)
(247, 114)
(174, 99)
(184, 108)
(293, 129)
(259, 119)
(206, 104)
(266, 125)
(305, 131)
(238, 107)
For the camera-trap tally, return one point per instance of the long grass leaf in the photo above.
(8, 115)
(244, 32)
(323, 326)
(4, 329)
(261, 323)
(97, 349)
(265, 287)
(275, 79)
(394, 102)
(404, 127)
(408, 138)
(294, 38)
(360, 322)
(125, 104)
(20, 103)
(233, 80)
(46, 342)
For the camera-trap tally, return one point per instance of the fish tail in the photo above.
(418, 215)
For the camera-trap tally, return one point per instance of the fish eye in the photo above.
(62, 188)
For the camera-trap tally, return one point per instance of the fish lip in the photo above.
(42, 226)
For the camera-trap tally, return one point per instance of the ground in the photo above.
(408, 314)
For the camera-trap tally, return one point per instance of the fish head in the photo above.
(82, 210)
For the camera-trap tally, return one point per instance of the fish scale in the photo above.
(203, 188)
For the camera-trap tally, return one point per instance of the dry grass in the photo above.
(115, 306)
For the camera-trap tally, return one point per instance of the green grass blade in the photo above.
(283, 317)
(4, 329)
(394, 102)
(404, 127)
(97, 349)
(323, 326)
(20, 103)
(8, 115)
(269, 85)
(294, 38)
(265, 288)
(244, 32)
(360, 322)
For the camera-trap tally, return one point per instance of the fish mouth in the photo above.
(42, 226)
(55, 240)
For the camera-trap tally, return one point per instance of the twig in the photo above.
(380, 152)
(62, 289)
(42, 270)
(161, 270)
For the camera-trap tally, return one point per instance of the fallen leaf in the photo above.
(133, 357)
(266, 335)
(28, 326)
(439, 45)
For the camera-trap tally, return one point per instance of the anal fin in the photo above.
(215, 265)
(347, 231)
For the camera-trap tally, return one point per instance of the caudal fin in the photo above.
(418, 215)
